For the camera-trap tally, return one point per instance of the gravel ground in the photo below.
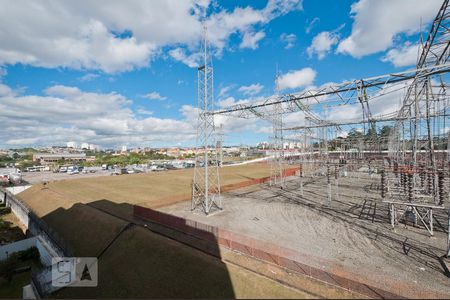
(349, 238)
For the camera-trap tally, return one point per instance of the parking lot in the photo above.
(40, 177)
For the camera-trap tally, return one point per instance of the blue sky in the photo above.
(114, 73)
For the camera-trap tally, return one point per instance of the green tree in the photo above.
(385, 131)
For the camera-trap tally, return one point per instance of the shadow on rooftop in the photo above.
(139, 259)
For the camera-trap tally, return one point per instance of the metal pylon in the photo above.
(219, 145)
(206, 183)
(277, 159)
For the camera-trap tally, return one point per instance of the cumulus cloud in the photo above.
(402, 56)
(191, 60)
(250, 90)
(322, 43)
(68, 113)
(250, 39)
(122, 36)
(244, 20)
(5, 90)
(378, 22)
(297, 79)
(231, 101)
(288, 39)
(154, 96)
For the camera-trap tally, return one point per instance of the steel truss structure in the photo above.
(415, 183)
(206, 183)
(413, 157)
(277, 155)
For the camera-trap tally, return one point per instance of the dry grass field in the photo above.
(93, 218)
(152, 189)
(89, 213)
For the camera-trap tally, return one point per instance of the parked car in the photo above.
(160, 168)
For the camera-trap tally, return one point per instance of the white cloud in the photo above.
(297, 79)
(68, 113)
(62, 91)
(385, 101)
(89, 77)
(378, 22)
(143, 111)
(154, 96)
(250, 39)
(403, 56)
(322, 43)
(288, 39)
(231, 101)
(224, 91)
(122, 36)
(243, 20)
(227, 102)
(5, 90)
(251, 90)
(3, 72)
(191, 60)
(311, 24)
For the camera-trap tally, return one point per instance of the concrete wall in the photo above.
(9, 249)
(17, 207)
(17, 189)
(35, 225)
(47, 241)
(45, 250)
(261, 250)
(2, 197)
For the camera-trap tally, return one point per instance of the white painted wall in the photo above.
(7, 250)
(45, 250)
(17, 189)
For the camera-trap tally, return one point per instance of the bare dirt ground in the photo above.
(351, 238)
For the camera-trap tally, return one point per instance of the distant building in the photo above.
(173, 152)
(85, 146)
(124, 148)
(72, 145)
(94, 147)
(51, 158)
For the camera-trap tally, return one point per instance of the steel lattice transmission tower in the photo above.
(420, 97)
(277, 160)
(206, 183)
